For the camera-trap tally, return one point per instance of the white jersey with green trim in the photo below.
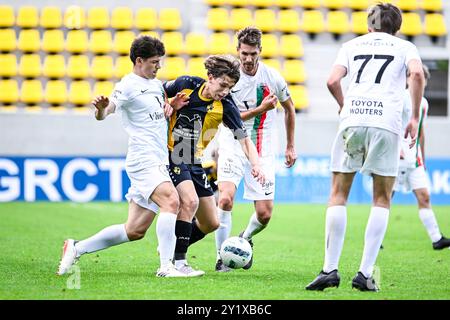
(248, 93)
(412, 157)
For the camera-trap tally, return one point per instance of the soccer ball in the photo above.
(235, 252)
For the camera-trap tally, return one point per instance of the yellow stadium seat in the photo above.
(7, 18)
(53, 41)
(8, 63)
(122, 41)
(7, 40)
(313, 21)
(56, 92)
(294, 71)
(360, 4)
(407, 5)
(238, 3)
(274, 63)
(288, 21)
(30, 66)
(98, 18)
(220, 43)
(100, 41)
(310, 4)
(359, 22)
(265, 20)
(173, 42)
(54, 66)
(27, 17)
(412, 24)
(195, 44)
(31, 92)
(335, 4)
(51, 17)
(291, 46)
(338, 22)
(196, 67)
(169, 19)
(74, 17)
(287, 3)
(102, 67)
(431, 5)
(9, 91)
(217, 19)
(172, 68)
(77, 41)
(29, 40)
(240, 18)
(270, 45)
(299, 96)
(216, 2)
(122, 18)
(123, 66)
(435, 25)
(80, 92)
(146, 19)
(103, 88)
(263, 3)
(153, 34)
(78, 67)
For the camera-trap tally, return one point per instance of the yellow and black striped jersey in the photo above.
(192, 127)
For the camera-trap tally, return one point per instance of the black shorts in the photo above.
(181, 172)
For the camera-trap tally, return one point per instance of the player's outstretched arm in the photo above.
(103, 107)
(416, 87)
(289, 121)
(334, 84)
(252, 155)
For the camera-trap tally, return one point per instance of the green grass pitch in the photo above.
(288, 255)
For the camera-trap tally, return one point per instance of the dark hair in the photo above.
(223, 64)
(146, 47)
(250, 36)
(384, 17)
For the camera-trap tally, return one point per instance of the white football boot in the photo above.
(68, 258)
(189, 271)
(169, 271)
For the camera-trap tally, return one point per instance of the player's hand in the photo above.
(179, 101)
(100, 103)
(258, 174)
(168, 110)
(269, 103)
(290, 156)
(411, 130)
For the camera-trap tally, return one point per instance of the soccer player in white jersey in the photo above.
(369, 134)
(411, 173)
(140, 98)
(256, 94)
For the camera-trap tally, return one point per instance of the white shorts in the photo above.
(409, 179)
(144, 182)
(366, 149)
(232, 167)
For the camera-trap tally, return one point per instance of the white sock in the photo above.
(108, 237)
(375, 231)
(224, 230)
(335, 225)
(253, 227)
(165, 231)
(430, 223)
(180, 263)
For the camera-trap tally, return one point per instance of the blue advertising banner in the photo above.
(83, 179)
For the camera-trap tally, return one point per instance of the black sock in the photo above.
(196, 234)
(183, 234)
